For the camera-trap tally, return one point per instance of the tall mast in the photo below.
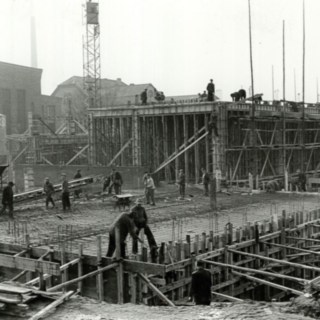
(303, 88)
(283, 63)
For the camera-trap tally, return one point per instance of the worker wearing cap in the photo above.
(48, 190)
(211, 90)
(7, 199)
(140, 219)
(65, 193)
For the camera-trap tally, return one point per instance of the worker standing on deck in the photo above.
(48, 190)
(205, 181)
(140, 219)
(126, 226)
(302, 181)
(116, 181)
(150, 187)
(182, 184)
(77, 191)
(65, 193)
(211, 90)
(201, 283)
(144, 97)
(7, 199)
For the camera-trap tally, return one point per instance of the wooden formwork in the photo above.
(273, 259)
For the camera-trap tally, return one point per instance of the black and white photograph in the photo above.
(160, 160)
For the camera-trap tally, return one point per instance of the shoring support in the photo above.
(291, 248)
(230, 298)
(42, 313)
(77, 154)
(156, 290)
(297, 265)
(120, 152)
(76, 280)
(250, 270)
(181, 147)
(271, 284)
(178, 154)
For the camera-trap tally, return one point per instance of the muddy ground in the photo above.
(170, 219)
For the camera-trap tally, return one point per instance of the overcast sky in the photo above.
(177, 45)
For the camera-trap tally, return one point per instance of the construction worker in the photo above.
(272, 186)
(116, 182)
(182, 184)
(201, 283)
(65, 196)
(77, 191)
(7, 199)
(205, 181)
(150, 187)
(126, 226)
(211, 90)
(144, 97)
(140, 219)
(302, 181)
(48, 190)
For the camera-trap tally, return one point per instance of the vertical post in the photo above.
(49, 280)
(206, 123)
(284, 103)
(176, 161)
(63, 261)
(28, 275)
(120, 267)
(272, 84)
(122, 158)
(80, 268)
(100, 275)
(303, 90)
(196, 149)
(186, 153)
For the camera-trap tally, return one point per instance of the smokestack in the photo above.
(34, 59)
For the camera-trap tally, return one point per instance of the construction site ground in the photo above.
(170, 219)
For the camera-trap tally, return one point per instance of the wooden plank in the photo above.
(5, 287)
(29, 264)
(76, 280)
(271, 284)
(230, 298)
(156, 290)
(41, 314)
(251, 270)
(284, 262)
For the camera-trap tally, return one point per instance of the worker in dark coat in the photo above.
(235, 96)
(144, 97)
(182, 183)
(205, 181)
(116, 182)
(242, 94)
(65, 195)
(48, 189)
(302, 181)
(126, 226)
(7, 199)
(140, 219)
(211, 90)
(77, 191)
(272, 186)
(201, 286)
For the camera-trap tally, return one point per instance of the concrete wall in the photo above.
(132, 176)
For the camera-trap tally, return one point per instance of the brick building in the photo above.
(20, 93)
